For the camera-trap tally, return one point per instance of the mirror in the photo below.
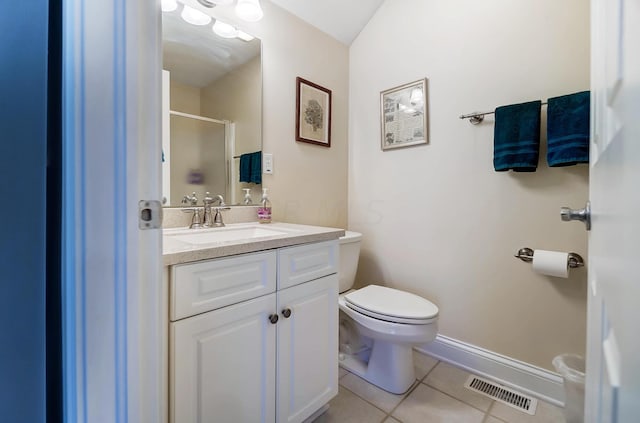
(212, 121)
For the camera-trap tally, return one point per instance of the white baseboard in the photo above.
(510, 372)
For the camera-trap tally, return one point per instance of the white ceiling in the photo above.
(342, 19)
(196, 56)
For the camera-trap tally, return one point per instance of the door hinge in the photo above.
(149, 214)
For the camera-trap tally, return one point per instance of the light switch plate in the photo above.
(267, 163)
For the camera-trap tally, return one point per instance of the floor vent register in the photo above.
(502, 394)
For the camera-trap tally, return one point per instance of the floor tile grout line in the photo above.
(413, 388)
(406, 395)
(431, 370)
(450, 395)
(455, 398)
(364, 399)
(493, 403)
(486, 413)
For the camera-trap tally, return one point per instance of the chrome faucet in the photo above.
(192, 200)
(216, 220)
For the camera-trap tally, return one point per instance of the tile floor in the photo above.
(438, 395)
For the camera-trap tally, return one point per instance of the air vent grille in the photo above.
(503, 394)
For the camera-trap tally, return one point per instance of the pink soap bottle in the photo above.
(264, 211)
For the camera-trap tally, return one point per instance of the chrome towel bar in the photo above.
(477, 117)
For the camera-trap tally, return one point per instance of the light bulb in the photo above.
(249, 10)
(224, 30)
(244, 36)
(195, 17)
(169, 5)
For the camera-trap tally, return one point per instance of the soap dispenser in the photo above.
(264, 211)
(247, 197)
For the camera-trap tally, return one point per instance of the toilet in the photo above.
(379, 326)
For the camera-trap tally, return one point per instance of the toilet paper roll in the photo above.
(552, 263)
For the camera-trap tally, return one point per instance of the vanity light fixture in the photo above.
(244, 36)
(194, 16)
(169, 5)
(247, 10)
(224, 30)
(197, 17)
(214, 3)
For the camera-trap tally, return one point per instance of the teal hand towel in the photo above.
(516, 138)
(251, 167)
(256, 168)
(245, 167)
(568, 129)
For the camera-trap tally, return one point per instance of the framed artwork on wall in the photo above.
(403, 115)
(313, 113)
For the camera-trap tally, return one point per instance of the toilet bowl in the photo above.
(379, 326)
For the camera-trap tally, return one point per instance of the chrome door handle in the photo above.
(583, 215)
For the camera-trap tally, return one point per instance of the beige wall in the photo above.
(184, 98)
(309, 182)
(437, 220)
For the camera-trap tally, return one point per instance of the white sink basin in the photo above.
(228, 233)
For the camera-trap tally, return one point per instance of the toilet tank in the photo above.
(349, 254)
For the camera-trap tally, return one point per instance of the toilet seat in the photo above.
(392, 305)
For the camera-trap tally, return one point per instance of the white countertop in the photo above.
(175, 250)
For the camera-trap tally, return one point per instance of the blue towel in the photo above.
(516, 138)
(568, 129)
(245, 168)
(256, 167)
(251, 167)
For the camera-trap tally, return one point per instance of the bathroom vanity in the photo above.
(251, 317)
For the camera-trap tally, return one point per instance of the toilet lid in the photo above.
(392, 305)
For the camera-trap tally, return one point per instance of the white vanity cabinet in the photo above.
(245, 349)
(223, 364)
(307, 376)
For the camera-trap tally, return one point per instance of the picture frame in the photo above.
(313, 113)
(403, 115)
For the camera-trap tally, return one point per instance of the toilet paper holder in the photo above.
(526, 254)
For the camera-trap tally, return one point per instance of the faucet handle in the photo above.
(217, 218)
(208, 199)
(190, 199)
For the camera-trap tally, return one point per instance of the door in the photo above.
(307, 348)
(613, 344)
(111, 159)
(222, 364)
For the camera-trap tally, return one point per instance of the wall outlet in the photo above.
(267, 163)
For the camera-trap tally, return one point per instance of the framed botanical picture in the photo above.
(313, 113)
(403, 115)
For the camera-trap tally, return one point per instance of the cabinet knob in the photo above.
(273, 318)
(286, 313)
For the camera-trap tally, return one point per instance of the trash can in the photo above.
(572, 367)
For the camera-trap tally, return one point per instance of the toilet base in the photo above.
(390, 366)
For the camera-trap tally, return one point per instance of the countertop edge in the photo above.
(205, 253)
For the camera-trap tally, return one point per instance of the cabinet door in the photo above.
(307, 348)
(222, 364)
